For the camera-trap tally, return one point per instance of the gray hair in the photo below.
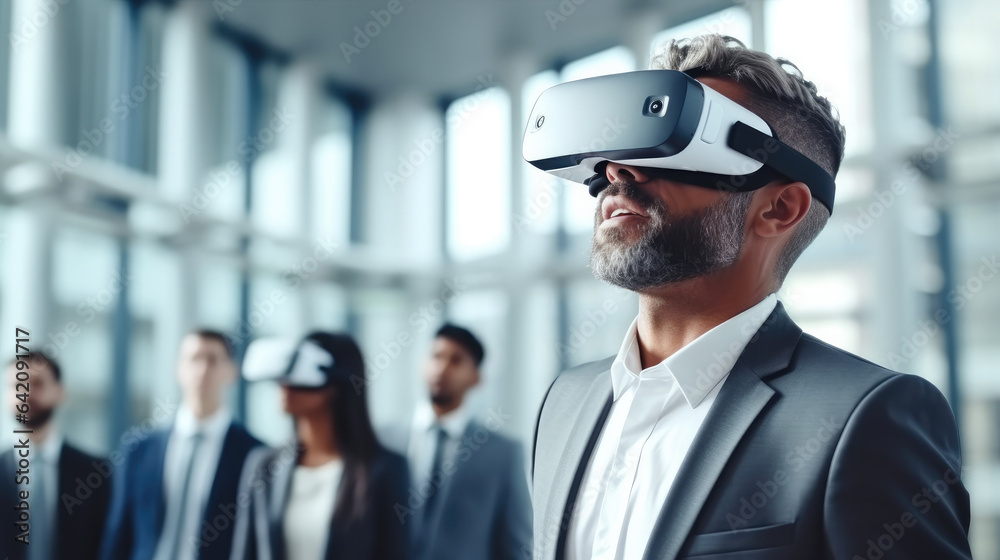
(777, 92)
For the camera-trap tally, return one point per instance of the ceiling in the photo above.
(441, 47)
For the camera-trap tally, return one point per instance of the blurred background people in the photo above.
(176, 484)
(336, 492)
(469, 494)
(68, 491)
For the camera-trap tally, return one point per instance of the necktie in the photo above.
(439, 450)
(39, 547)
(181, 513)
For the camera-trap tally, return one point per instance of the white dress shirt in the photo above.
(311, 501)
(653, 420)
(206, 462)
(50, 452)
(423, 438)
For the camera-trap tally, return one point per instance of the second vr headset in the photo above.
(667, 123)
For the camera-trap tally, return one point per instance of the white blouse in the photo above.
(311, 500)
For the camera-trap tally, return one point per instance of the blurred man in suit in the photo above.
(65, 521)
(175, 495)
(469, 497)
(720, 430)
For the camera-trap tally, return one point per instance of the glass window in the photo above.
(86, 287)
(277, 184)
(609, 61)
(478, 174)
(734, 22)
(223, 189)
(331, 173)
(835, 56)
(484, 312)
(598, 317)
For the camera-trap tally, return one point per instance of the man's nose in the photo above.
(618, 172)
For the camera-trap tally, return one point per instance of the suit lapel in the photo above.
(64, 472)
(156, 459)
(451, 481)
(741, 399)
(281, 487)
(229, 466)
(592, 413)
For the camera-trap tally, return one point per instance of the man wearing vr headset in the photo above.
(720, 429)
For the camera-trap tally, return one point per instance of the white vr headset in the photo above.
(298, 364)
(667, 123)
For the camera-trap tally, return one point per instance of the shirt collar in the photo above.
(453, 422)
(215, 425)
(699, 366)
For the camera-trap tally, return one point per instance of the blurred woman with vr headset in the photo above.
(336, 495)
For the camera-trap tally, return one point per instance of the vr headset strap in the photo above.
(779, 159)
(777, 155)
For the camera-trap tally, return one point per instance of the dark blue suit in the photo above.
(138, 504)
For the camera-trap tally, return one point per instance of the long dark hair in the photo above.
(352, 425)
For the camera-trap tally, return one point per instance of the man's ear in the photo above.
(779, 207)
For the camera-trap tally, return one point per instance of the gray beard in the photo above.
(672, 248)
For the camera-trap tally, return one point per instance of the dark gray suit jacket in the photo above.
(808, 452)
(485, 510)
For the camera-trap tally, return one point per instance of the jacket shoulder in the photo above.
(832, 378)
(833, 369)
(811, 345)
